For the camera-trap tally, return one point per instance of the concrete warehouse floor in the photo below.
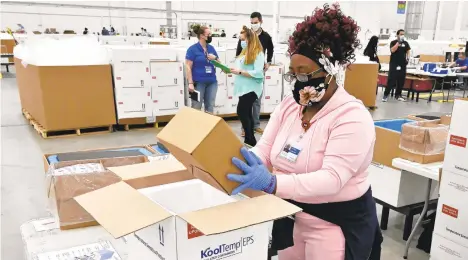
(22, 174)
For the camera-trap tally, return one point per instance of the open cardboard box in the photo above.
(45, 157)
(186, 219)
(423, 141)
(387, 141)
(135, 171)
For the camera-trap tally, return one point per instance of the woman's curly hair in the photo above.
(327, 30)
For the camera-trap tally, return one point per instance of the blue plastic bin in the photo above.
(394, 124)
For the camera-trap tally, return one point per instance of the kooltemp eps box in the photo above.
(184, 221)
(456, 153)
(452, 211)
(169, 236)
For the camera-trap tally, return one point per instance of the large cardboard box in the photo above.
(452, 210)
(423, 141)
(361, 82)
(186, 222)
(61, 98)
(445, 249)
(456, 153)
(208, 146)
(387, 141)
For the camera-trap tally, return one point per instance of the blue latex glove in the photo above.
(256, 175)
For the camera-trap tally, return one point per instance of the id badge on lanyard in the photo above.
(291, 149)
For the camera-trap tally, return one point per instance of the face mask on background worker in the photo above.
(243, 44)
(256, 26)
(401, 38)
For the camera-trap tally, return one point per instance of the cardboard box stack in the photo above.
(450, 239)
(188, 219)
(423, 141)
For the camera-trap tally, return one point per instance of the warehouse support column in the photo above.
(179, 26)
(276, 17)
(440, 7)
(458, 20)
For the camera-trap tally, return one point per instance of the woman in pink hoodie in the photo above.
(319, 143)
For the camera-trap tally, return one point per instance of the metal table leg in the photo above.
(420, 219)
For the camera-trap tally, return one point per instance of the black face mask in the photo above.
(209, 39)
(317, 83)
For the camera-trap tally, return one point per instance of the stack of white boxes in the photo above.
(280, 57)
(132, 82)
(231, 104)
(167, 85)
(450, 239)
(149, 82)
(272, 89)
(220, 107)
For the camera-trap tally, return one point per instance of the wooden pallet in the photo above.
(66, 132)
(141, 123)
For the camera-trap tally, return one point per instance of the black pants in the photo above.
(244, 111)
(396, 79)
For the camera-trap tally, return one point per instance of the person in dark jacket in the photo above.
(268, 48)
(371, 50)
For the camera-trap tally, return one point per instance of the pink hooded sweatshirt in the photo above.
(335, 152)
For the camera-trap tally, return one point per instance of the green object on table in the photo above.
(221, 66)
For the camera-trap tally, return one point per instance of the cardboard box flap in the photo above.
(148, 169)
(239, 214)
(177, 133)
(121, 210)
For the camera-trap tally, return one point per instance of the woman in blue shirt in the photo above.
(248, 85)
(201, 74)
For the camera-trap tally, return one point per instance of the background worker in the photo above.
(268, 48)
(461, 62)
(400, 50)
(201, 74)
(248, 84)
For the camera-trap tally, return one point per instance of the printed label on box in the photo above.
(453, 212)
(192, 232)
(225, 250)
(95, 251)
(458, 141)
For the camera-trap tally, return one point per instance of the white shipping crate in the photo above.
(222, 226)
(162, 53)
(221, 94)
(456, 151)
(167, 73)
(452, 210)
(287, 88)
(134, 108)
(167, 100)
(273, 89)
(444, 249)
